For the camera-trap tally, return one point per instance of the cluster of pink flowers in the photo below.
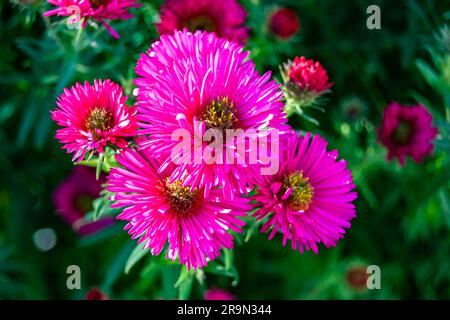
(190, 209)
(203, 80)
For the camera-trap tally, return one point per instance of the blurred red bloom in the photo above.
(356, 277)
(407, 130)
(96, 294)
(284, 23)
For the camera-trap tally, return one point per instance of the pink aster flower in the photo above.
(218, 294)
(159, 211)
(309, 75)
(98, 10)
(73, 199)
(92, 117)
(196, 82)
(284, 23)
(224, 17)
(407, 130)
(310, 199)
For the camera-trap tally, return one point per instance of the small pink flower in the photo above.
(98, 10)
(73, 199)
(160, 211)
(224, 17)
(308, 75)
(407, 130)
(218, 294)
(92, 117)
(310, 199)
(284, 23)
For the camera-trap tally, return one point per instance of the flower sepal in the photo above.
(103, 162)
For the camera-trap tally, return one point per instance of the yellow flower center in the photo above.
(99, 119)
(181, 199)
(219, 114)
(302, 191)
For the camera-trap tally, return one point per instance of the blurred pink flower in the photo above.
(407, 130)
(218, 294)
(310, 199)
(284, 23)
(224, 17)
(158, 210)
(73, 199)
(98, 10)
(308, 75)
(92, 117)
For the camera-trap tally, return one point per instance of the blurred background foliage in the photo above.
(403, 222)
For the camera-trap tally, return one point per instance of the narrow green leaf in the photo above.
(184, 283)
(115, 268)
(99, 165)
(138, 253)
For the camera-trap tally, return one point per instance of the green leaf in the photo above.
(151, 269)
(184, 283)
(428, 73)
(138, 253)
(116, 266)
(99, 165)
(102, 207)
(256, 224)
(227, 270)
(169, 278)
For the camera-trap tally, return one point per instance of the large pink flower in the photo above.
(99, 10)
(407, 130)
(92, 117)
(73, 199)
(197, 82)
(310, 199)
(159, 210)
(224, 17)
